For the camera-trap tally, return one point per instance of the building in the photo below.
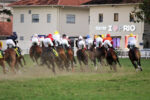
(116, 18)
(46, 16)
(79, 17)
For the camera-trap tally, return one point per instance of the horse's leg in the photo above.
(53, 68)
(139, 64)
(94, 61)
(118, 62)
(72, 66)
(23, 59)
(19, 61)
(12, 64)
(134, 64)
(3, 65)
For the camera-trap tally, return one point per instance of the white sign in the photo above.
(116, 28)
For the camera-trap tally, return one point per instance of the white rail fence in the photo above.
(145, 53)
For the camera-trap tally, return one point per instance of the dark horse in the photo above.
(112, 58)
(98, 53)
(35, 52)
(82, 56)
(135, 57)
(48, 57)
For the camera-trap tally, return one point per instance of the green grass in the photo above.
(126, 84)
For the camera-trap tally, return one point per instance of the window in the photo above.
(89, 20)
(21, 37)
(71, 19)
(116, 15)
(35, 18)
(48, 18)
(100, 17)
(22, 18)
(131, 17)
(29, 11)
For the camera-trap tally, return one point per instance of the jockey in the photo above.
(11, 40)
(99, 41)
(35, 39)
(81, 43)
(48, 41)
(57, 38)
(131, 41)
(64, 41)
(108, 41)
(88, 41)
(41, 40)
(94, 41)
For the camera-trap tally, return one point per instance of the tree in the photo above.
(6, 12)
(144, 13)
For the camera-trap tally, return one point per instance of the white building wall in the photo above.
(27, 29)
(108, 19)
(81, 26)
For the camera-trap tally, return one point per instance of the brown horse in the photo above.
(70, 57)
(135, 57)
(35, 53)
(63, 57)
(10, 58)
(112, 59)
(82, 56)
(2, 63)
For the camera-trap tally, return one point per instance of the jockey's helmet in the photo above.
(35, 35)
(56, 32)
(103, 36)
(95, 36)
(64, 35)
(88, 36)
(80, 37)
(108, 35)
(131, 35)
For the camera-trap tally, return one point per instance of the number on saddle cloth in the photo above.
(55, 52)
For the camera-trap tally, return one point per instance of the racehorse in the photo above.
(98, 53)
(82, 57)
(70, 57)
(48, 57)
(63, 57)
(135, 57)
(10, 58)
(35, 52)
(112, 58)
(13, 59)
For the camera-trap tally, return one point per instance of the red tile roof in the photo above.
(5, 28)
(112, 1)
(50, 2)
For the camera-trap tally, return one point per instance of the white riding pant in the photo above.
(47, 42)
(107, 43)
(35, 40)
(65, 42)
(10, 42)
(81, 44)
